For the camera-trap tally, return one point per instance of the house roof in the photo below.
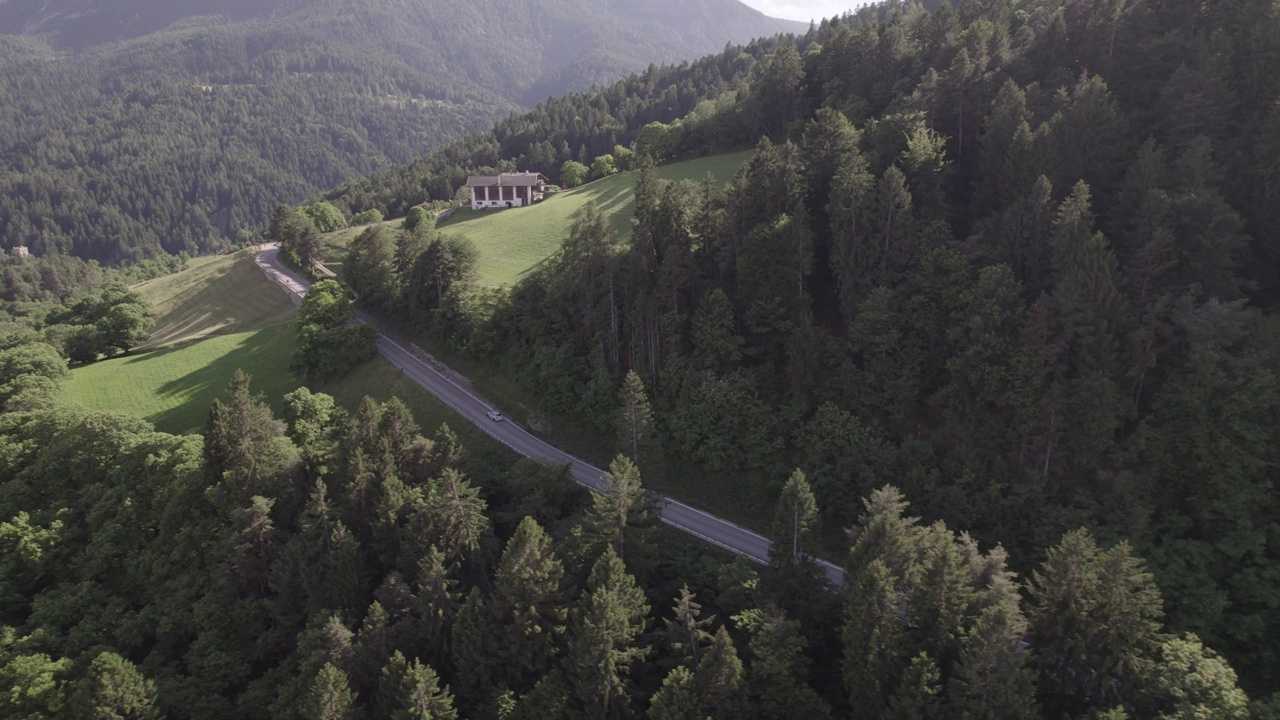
(522, 179)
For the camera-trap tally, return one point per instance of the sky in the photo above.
(802, 10)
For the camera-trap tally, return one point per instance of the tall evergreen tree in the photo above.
(776, 685)
(113, 688)
(716, 344)
(603, 636)
(635, 420)
(720, 677)
(436, 602)
(409, 690)
(851, 206)
(526, 612)
(450, 515)
(917, 696)
(620, 516)
(330, 697)
(795, 518)
(678, 698)
(1094, 624)
(246, 452)
(686, 632)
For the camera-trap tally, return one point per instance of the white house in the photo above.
(506, 189)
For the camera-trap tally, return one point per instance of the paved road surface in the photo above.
(471, 406)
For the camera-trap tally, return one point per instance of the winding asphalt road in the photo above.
(468, 404)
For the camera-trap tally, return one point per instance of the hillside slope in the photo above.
(138, 141)
(512, 242)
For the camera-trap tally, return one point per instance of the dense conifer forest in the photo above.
(333, 565)
(1017, 259)
(992, 303)
(133, 128)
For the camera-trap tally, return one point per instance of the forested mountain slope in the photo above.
(1018, 258)
(193, 120)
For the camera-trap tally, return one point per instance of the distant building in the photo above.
(20, 251)
(506, 190)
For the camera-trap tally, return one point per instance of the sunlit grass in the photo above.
(512, 242)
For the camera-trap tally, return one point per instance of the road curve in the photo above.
(468, 404)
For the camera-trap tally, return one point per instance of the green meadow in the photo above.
(218, 316)
(511, 242)
(174, 386)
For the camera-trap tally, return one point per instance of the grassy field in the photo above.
(219, 295)
(220, 315)
(174, 386)
(217, 316)
(511, 242)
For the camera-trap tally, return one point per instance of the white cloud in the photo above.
(802, 10)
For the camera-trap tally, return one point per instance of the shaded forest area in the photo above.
(341, 566)
(180, 139)
(1018, 259)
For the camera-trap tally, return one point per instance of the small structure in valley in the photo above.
(506, 189)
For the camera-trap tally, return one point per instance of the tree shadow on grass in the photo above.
(229, 302)
(264, 355)
(606, 202)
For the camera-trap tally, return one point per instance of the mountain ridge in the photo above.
(119, 143)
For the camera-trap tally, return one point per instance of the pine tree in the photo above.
(1088, 141)
(896, 228)
(716, 344)
(326, 558)
(1211, 237)
(330, 697)
(1088, 292)
(246, 452)
(635, 420)
(1094, 622)
(776, 94)
(992, 680)
(602, 638)
(686, 632)
(620, 515)
(927, 172)
(1002, 148)
(720, 677)
(472, 646)
(873, 639)
(449, 451)
(373, 647)
(674, 231)
(775, 685)
(409, 690)
(917, 696)
(435, 604)
(450, 516)
(678, 698)
(928, 618)
(795, 518)
(113, 688)
(526, 607)
(255, 546)
(771, 272)
(851, 206)
(830, 143)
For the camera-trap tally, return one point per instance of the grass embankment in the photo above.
(217, 316)
(513, 241)
(220, 315)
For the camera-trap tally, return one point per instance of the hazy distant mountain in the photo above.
(81, 23)
(135, 125)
